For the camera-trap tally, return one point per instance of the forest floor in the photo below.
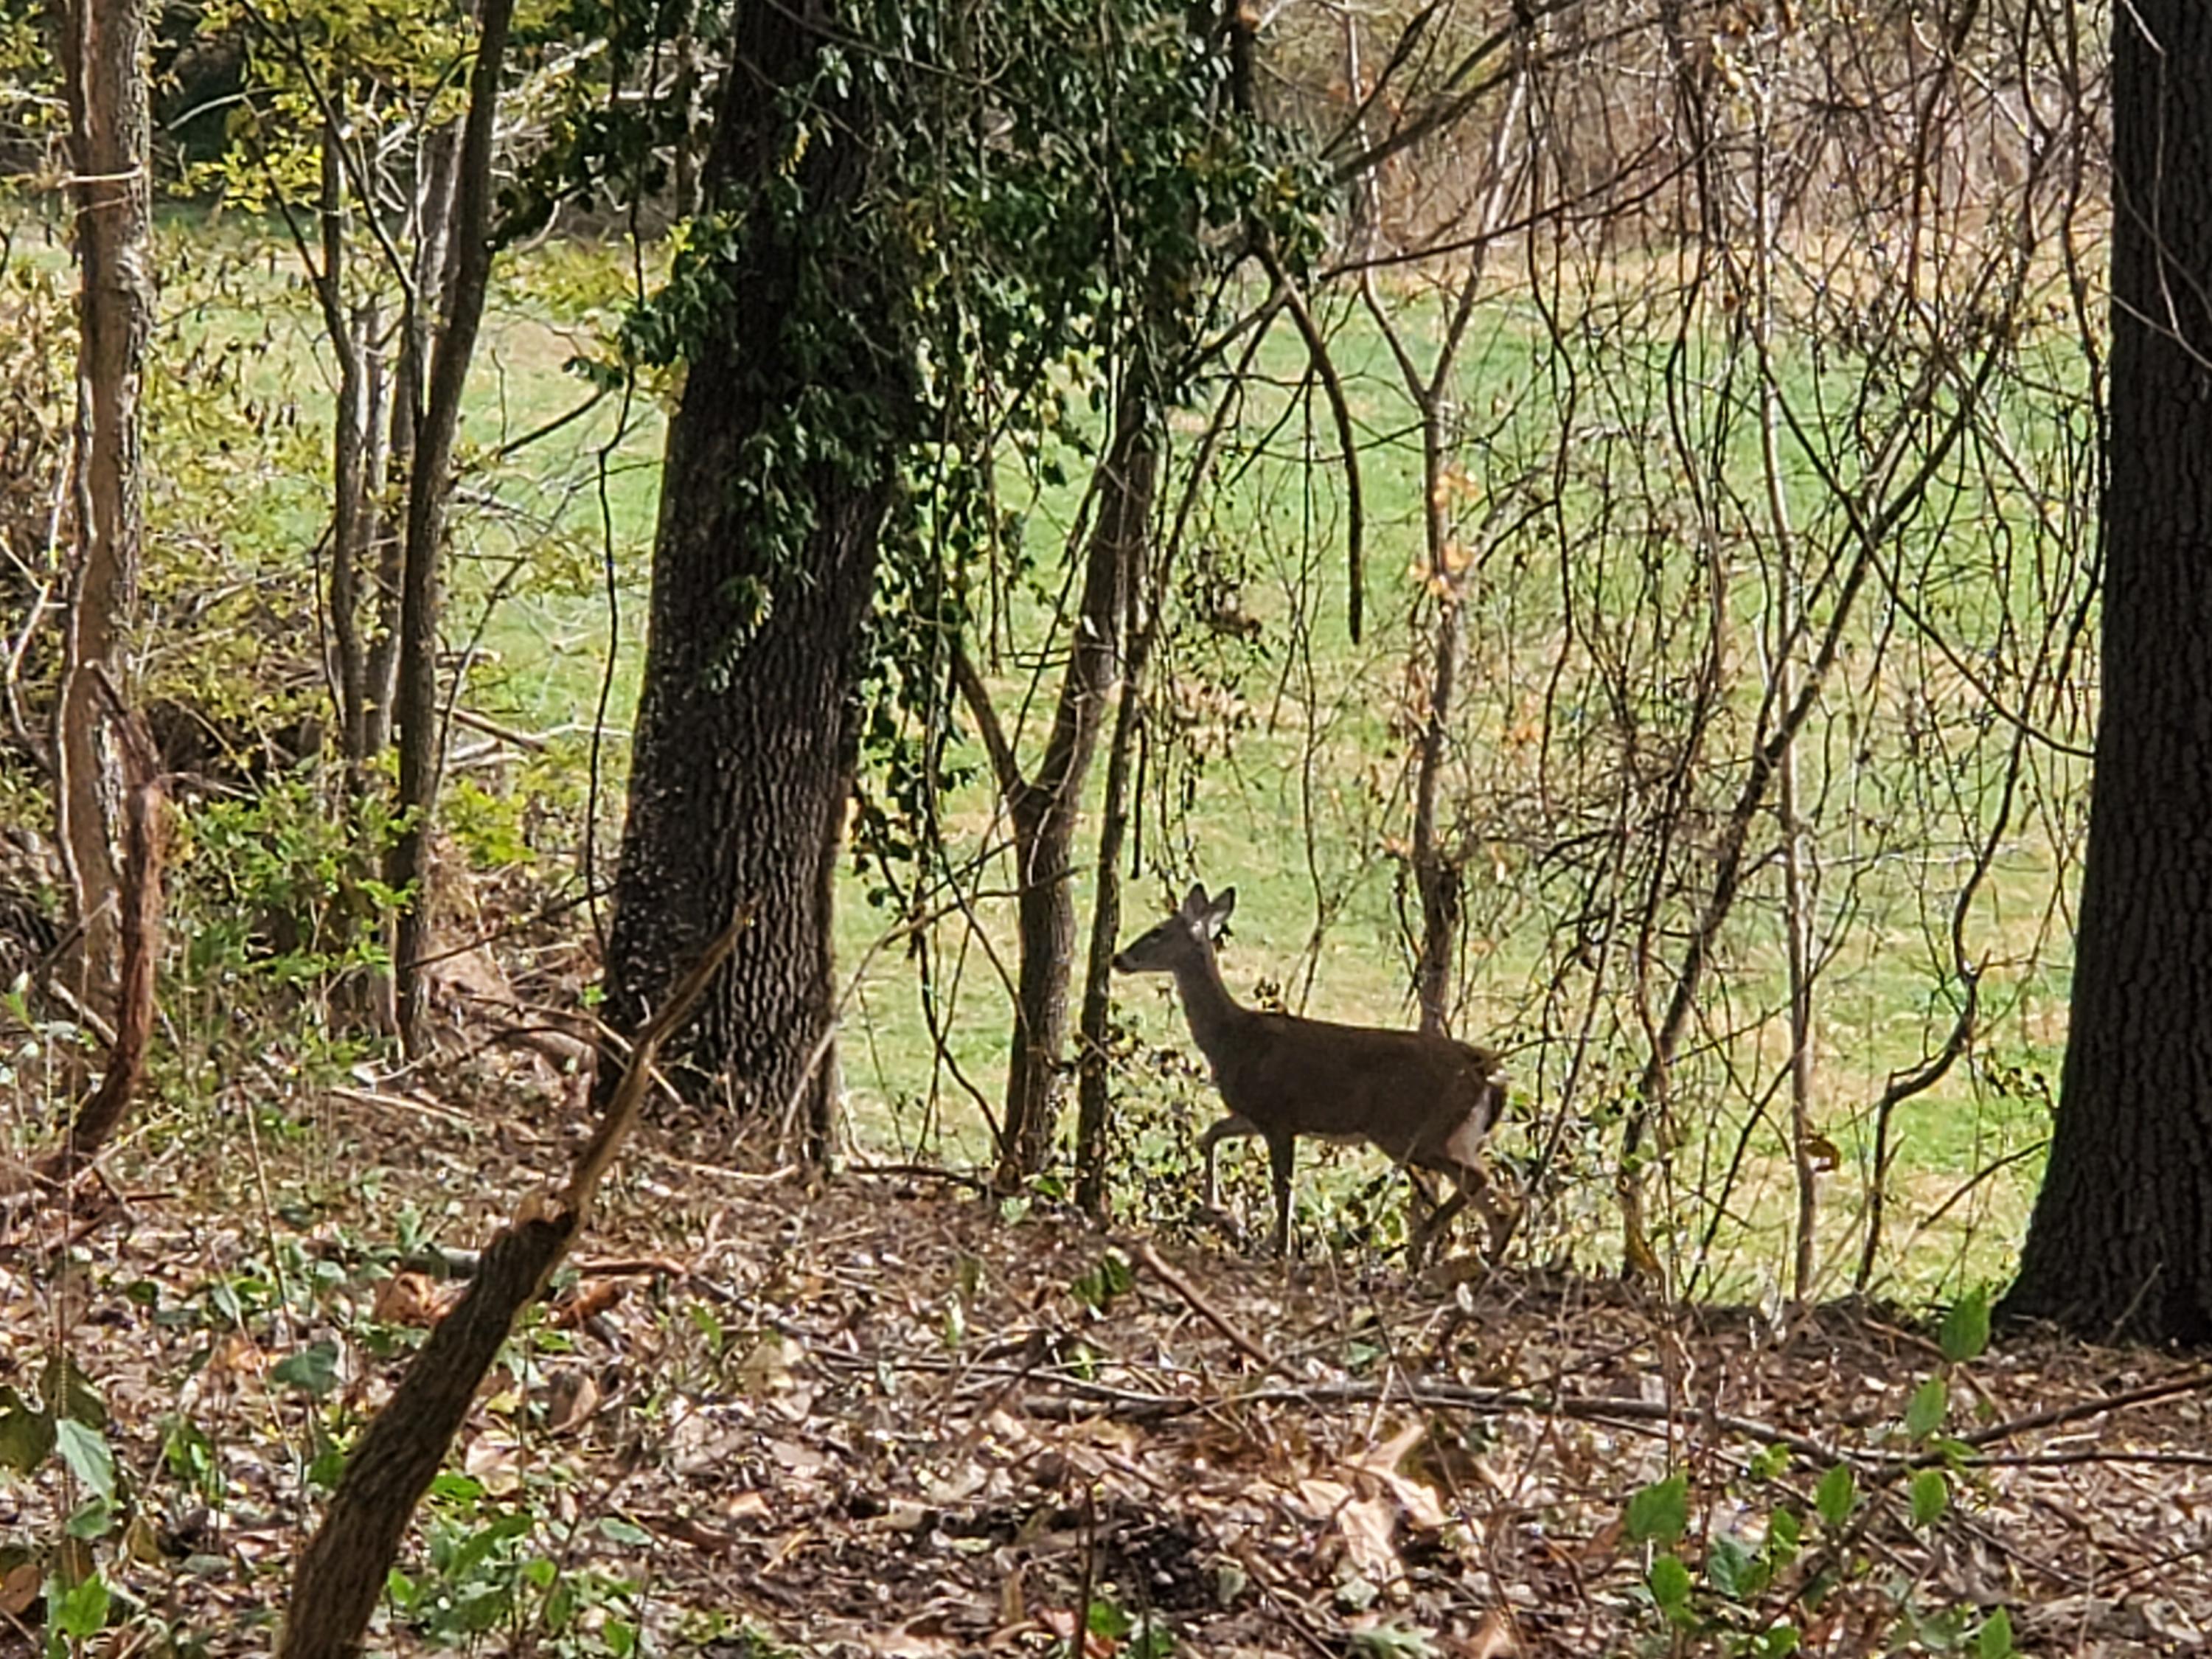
(766, 1415)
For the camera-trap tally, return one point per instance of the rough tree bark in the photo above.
(104, 63)
(2120, 1243)
(1046, 808)
(742, 766)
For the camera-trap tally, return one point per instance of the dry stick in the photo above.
(344, 1569)
(1143, 1251)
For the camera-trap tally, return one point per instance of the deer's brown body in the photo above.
(1424, 1098)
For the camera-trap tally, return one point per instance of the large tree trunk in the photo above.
(104, 61)
(2120, 1243)
(746, 738)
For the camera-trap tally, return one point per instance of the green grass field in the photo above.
(1609, 494)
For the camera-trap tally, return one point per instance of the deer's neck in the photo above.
(1214, 1014)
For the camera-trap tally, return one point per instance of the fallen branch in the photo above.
(1150, 1258)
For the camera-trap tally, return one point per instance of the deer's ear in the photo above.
(1218, 911)
(1194, 902)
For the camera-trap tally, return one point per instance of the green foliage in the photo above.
(273, 893)
(1097, 1286)
(935, 248)
(487, 1567)
(1966, 1331)
(1144, 1635)
(1392, 1639)
(1660, 1512)
(1759, 1587)
(67, 1415)
(313, 1370)
(1924, 1413)
(1931, 1496)
(1836, 1495)
(379, 69)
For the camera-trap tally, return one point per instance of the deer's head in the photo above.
(1186, 936)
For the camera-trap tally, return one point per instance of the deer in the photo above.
(1423, 1097)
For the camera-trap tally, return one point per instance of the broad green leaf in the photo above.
(83, 1611)
(1930, 1401)
(1661, 1512)
(1994, 1639)
(1783, 1530)
(26, 1435)
(69, 1393)
(1395, 1640)
(96, 1519)
(1966, 1331)
(1931, 1494)
(1733, 1570)
(85, 1450)
(311, 1369)
(1670, 1583)
(1837, 1492)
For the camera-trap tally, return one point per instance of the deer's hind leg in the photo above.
(1470, 1185)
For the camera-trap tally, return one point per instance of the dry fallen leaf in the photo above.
(587, 1302)
(414, 1300)
(1493, 1638)
(19, 1587)
(570, 1397)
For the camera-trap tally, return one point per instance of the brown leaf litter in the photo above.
(871, 1416)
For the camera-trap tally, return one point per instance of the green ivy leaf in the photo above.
(1965, 1332)
(69, 1393)
(1670, 1584)
(1837, 1492)
(1733, 1570)
(85, 1450)
(26, 1435)
(1661, 1512)
(1931, 1494)
(313, 1370)
(83, 1610)
(1930, 1401)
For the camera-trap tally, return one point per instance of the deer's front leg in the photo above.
(1282, 1153)
(1229, 1128)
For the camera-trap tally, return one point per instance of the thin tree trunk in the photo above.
(352, 512)
(1045, 809)
(1437, 867)
(145, 842)
(104, 62)
(429, 491)
(1798, 874)
(1437, 877)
